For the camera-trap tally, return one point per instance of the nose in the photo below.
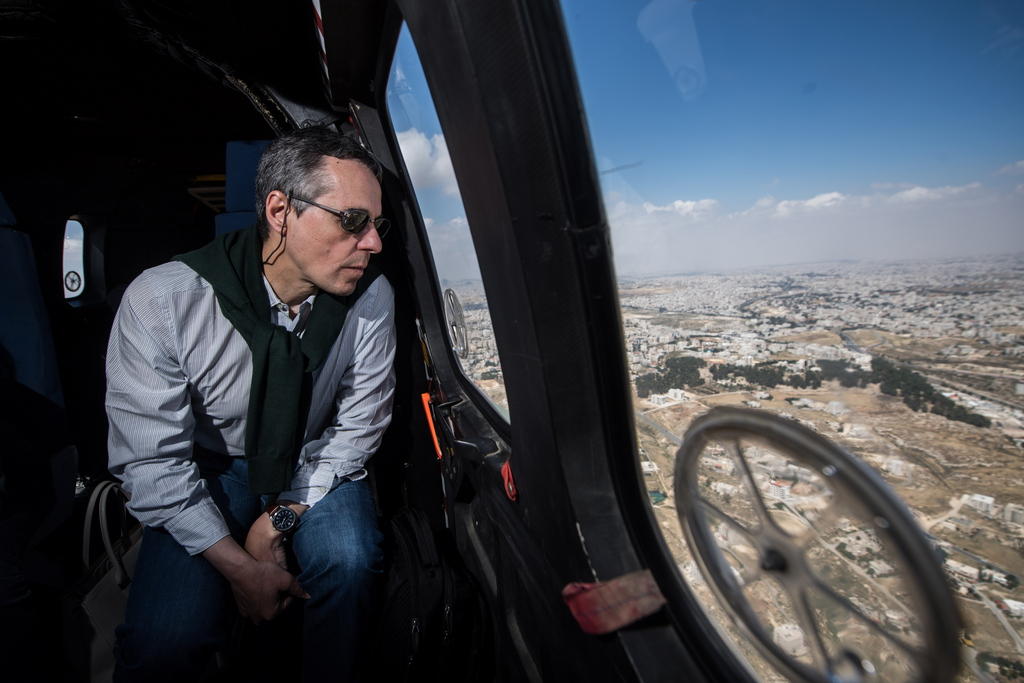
(370, 240)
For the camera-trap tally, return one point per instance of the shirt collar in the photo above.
(279, 309)
(275, 300)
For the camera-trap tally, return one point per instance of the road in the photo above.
(850, 344)
(653, 424)
(971, 656)
(975, 373)
(1010, 630)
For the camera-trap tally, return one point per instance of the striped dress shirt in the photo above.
(178, 373)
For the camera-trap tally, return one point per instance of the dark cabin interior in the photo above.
(121, 113)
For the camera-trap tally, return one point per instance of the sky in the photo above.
(736, 133)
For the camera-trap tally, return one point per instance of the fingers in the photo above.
(285, 599)
(296, 590)
(268, 596)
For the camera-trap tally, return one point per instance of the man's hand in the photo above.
(262, 589)
(265, 543)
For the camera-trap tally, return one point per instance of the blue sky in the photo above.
(789, 130)
(803, 97)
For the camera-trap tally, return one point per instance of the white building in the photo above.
(790, 638)
(897, 619)
(961, 524)
(981, 503)
(1014, 513)
(1015, 608)
(962, 570)
(1001, 578)
(836, 408)
(857, 431)
(880, 567)
(723, 489)
(896, 467)
(779, 488)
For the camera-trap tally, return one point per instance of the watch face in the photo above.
(283, 518)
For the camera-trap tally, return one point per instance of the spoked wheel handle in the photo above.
(855, 491)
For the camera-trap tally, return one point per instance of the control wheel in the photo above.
(805, 552)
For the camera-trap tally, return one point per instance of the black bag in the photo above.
(434, 624)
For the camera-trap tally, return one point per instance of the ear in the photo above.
(276, 208)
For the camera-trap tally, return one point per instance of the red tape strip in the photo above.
(607, 606)
(509, 481)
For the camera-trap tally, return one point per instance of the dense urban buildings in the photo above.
(916, 368)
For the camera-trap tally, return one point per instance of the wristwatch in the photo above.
(283, 518)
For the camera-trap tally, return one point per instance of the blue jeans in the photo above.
(181, 610)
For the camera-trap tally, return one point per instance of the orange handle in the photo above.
(430, 423)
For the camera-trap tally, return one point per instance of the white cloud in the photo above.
(826, 200)
(1016, 168)
(918, 193)
(694, 209)
(428, 161)
(832, 201)
(910, 222)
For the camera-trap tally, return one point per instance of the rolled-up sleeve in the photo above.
(151, 424)
(362, 403)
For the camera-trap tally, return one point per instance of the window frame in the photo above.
(542, 241)
(443, 342)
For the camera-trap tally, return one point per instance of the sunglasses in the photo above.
(352, 221)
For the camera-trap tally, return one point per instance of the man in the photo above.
(248, 383)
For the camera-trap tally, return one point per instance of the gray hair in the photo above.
(293, 164)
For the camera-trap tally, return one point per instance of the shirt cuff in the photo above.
(311, 484)
(198, 527)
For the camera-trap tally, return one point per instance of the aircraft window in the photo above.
(74, 259)
(815, 211)
(425, 153)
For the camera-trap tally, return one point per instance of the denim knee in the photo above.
(337, 545)
(341, 562)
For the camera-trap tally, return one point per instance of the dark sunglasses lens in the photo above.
(353, 220)
(382, 226)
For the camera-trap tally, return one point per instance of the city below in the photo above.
(916, 368)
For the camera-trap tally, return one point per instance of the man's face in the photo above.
(320, 251)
